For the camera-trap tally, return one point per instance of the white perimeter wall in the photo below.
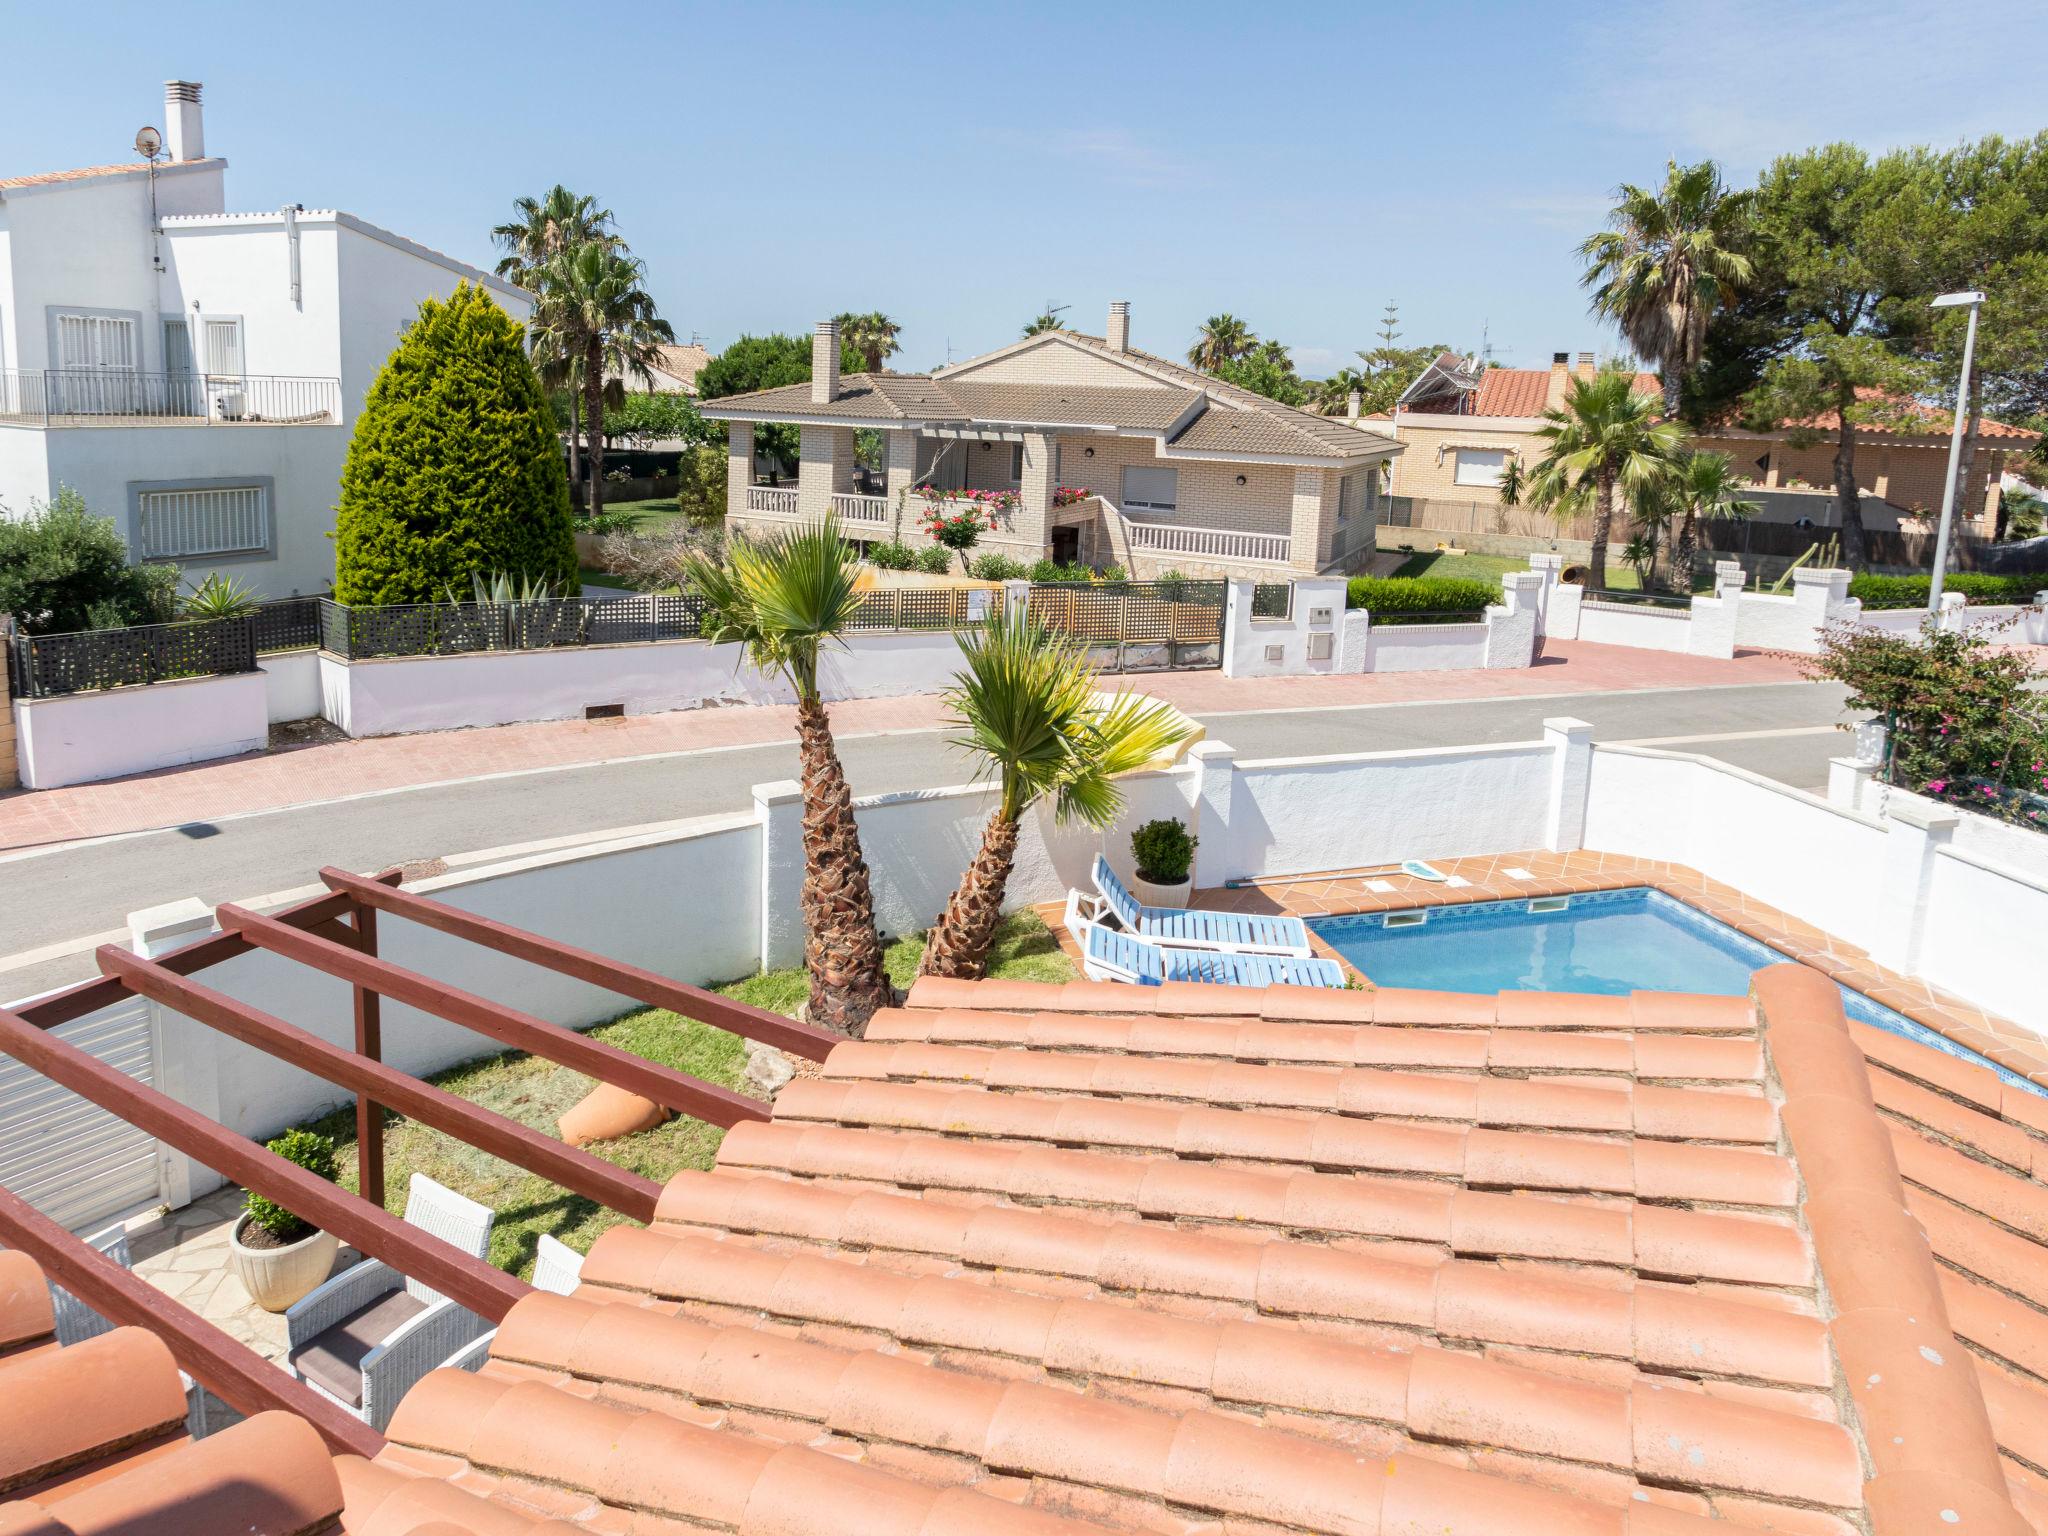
(1425, 647)
(86, 736)
(1647, 628)
(291, 684)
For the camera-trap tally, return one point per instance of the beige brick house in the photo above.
(1461, 423)
(1176, 469)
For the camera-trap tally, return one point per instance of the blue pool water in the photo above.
(1610, 942)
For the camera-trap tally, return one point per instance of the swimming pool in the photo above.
(1609, 942)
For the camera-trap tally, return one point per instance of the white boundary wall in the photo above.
(80, 737)
(1854, 786)
(715, 898)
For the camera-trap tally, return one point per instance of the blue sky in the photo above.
(958, 166)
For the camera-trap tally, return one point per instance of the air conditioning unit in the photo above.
(230, 404)
(1319, 646)
(1276, 654)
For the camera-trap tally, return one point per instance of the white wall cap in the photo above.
(1212, 751)
(778, 792)
(154, 928)
(1929, 818)
(1568, 725)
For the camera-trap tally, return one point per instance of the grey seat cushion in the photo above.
(333, 1358)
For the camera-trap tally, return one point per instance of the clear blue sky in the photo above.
(958, 166)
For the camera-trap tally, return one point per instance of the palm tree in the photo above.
(785, 598)
(1671, 258)
(542, 229)
(1333, 395)
(872, 335)
(1026, 705)
(1514, 481)
(1605, 438)
(1704, 486)
(1044, 320)
(592, 311)
(1221, 339)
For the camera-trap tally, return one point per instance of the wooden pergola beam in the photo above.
(485, 1290)
(673, 1090)
(225, 1366)
(575, 1170)
(636, 982)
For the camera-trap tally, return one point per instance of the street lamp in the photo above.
(1955, 440)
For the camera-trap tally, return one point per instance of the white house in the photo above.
(195, 373)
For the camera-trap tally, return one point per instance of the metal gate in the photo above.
(70, 1159)
(1137, 626)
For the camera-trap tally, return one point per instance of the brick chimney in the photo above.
(184, 130)
(1560, 375)
(1119, 332)
(825, 362)
(1585, 369)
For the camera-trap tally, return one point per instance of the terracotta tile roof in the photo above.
(683, 361)
(1034, 1259)
(88, 172)
(1511, 392)
(1907, 417)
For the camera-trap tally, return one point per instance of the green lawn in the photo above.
(536, 1092)
(646, 515)
(1490, 568)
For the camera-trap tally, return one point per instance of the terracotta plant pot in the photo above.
(1148, 894)
(277, 1277)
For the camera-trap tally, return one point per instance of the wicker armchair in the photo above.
(556, 1267)
(366, 1337)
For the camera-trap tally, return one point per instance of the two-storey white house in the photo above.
(195, 373)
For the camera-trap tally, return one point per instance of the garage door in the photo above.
(72, 1160)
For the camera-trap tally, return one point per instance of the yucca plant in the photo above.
(219, 597)
(1026, 705)
(785, 598)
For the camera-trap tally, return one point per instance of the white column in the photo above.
(1216, 764)
(187, 1052)
(1571, 774)
(1240, 657)
(2034, 625)
(1355, 649)
(779, 808)
(1916, 830)
(739, 466)
(1511, 624)
(1952, 618)
(1848, 781)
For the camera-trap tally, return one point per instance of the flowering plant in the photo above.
(960, 529)
(1067, 495)
(990, 502)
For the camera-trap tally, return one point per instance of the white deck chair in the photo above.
(556, 1267)
(1231, 933)
(1107, 955)
(366, 1337)
(77, 1322)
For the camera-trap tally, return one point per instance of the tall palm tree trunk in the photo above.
(842, 950)
(593, 423)
(1603, 521)
(958, 944)
(1854, 551)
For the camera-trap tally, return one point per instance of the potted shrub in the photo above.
(1164, 851)
(277, 1256)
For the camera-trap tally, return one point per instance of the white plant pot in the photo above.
(1150, 895)
(277, 1277)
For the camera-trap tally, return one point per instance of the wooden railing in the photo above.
(853, 508)
(1208, 543)
(779, 500)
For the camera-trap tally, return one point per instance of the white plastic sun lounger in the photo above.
(1111, 956)
(1235, 933)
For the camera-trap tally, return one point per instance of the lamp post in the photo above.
(1955, 441)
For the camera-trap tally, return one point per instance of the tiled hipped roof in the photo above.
(1187, 1259)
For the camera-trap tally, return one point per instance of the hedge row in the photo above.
(1977, 586)
(1420, 594)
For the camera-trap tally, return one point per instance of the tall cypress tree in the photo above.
(454, 466)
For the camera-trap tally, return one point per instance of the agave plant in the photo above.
(220, 597)
(785, 598)
(1027, 706)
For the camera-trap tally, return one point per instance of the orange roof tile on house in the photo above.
(1899, 415)
(1040, 1259)
(88, 172)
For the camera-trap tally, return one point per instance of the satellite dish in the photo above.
(148, 142)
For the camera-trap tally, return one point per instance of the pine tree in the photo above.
(454, 467)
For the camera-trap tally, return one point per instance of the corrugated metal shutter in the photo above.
(72, 1160)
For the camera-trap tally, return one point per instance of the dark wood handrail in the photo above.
(487, 1291)
(226, 1367)
(673, 1090)
(315, 914)
(636, 982)
(581, 1172)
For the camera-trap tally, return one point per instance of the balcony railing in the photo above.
(860, 509)
(778, 500)
(1209, 543)
(67, 397)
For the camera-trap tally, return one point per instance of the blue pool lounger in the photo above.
(1238, 933)
(1111, 956)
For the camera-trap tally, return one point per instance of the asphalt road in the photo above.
(59, 898)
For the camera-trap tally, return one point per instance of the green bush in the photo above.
(454, 466)
(1165, 851)
(1113, 572)
(312, 1152)
(1911, 591)
(891, 556)
(1052, 570)
(1419, 594)
(998, 568)
(935, 560)
(63, 569)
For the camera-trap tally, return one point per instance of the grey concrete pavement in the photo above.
(59, 898)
